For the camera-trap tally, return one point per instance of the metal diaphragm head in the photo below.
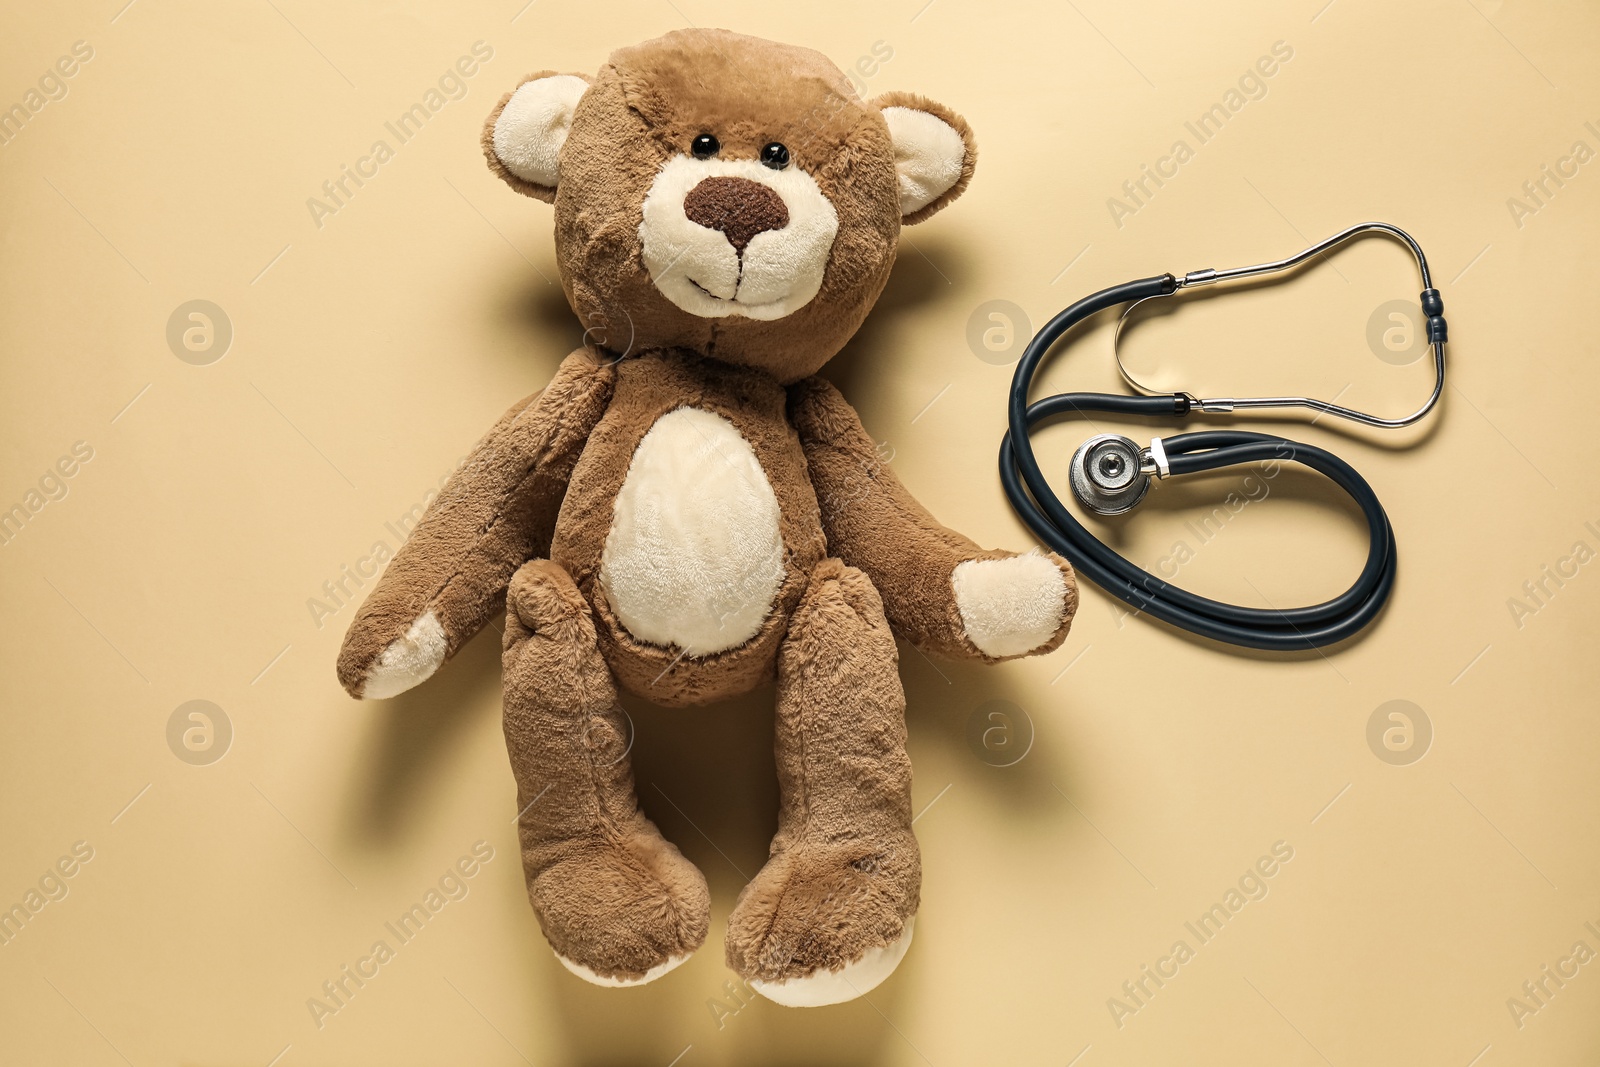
(1106, 474)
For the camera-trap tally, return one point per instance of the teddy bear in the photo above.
(688, 511)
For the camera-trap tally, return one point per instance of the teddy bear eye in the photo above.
(704, 146)
(775, 156)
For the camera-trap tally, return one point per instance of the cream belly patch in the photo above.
(694, 558)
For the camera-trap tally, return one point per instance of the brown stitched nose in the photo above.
(739, 207)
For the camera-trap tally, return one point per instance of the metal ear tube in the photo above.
(1110, 474)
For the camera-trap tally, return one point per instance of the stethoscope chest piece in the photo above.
(1107, 474)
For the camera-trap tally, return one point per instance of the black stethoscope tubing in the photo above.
(1272, 629)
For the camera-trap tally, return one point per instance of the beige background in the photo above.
(369, 354)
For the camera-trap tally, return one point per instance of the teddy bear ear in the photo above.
(523, 137)
(934, 152)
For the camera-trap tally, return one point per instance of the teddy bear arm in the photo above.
(497, 511)
(940, 590)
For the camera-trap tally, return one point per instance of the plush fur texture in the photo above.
(527, 136)
(695, 554)
(495, 513)
(725, 237)
(686, 511)
(541, 151)
(645, 107)
(928, 153)
(648, 387)
(821, 988)
(1009, 607)
(845, 872)
(873, 523)
(408, 661)
(611, 894)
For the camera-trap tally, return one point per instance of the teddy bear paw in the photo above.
(617, 915)
(1013, 606)
(822, 988)
(595, 978)
(408, 661)
(826, 923)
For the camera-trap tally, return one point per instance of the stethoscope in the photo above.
(1110, 474)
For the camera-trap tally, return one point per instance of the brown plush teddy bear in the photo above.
(687, 510)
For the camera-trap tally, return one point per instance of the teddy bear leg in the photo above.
(619, 903)
(830, 915)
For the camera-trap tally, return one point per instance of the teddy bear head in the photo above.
(726, 195)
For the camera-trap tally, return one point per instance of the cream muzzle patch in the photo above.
(702, 268)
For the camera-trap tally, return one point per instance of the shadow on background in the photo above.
(404, 757)
(914, 283)
(542, 314)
